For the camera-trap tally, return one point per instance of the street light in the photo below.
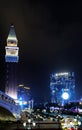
(34, 124)
(77, 123)
(29, 126)
(24, 124)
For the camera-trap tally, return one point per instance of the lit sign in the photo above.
(65, 95)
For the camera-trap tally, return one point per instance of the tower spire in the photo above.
(12, 35)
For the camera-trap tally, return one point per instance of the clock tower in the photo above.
(11, 59)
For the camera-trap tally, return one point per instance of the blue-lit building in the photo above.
(62, 87)
(11, 59)
(24, 96)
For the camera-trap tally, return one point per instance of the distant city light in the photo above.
(24, 124)
(61, 74)
(53, 91)
(65, 95)
(27, 87)
(21, 85)
(20, 98)
(24, 102)
(21, 103)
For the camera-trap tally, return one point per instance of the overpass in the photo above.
(9, 104)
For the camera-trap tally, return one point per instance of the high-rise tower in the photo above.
(11, 59)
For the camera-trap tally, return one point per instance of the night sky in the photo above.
(49, 38)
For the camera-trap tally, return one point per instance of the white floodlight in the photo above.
(65, 95)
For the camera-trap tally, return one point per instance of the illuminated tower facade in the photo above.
(62, 86)
(11, 59)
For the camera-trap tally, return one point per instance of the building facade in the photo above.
(11, 59)
(62, 87)
(24, 96)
